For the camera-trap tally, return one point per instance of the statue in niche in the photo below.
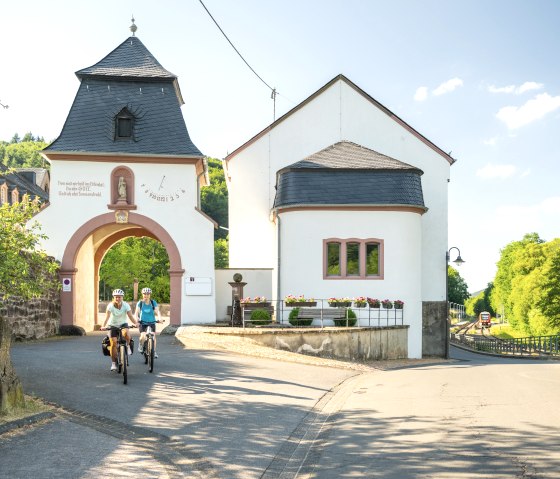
(122, 189)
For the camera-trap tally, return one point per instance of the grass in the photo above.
(32, 406)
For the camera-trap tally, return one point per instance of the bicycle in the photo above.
(122, 353)
(149, 349)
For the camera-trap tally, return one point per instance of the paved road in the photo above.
(216, 414)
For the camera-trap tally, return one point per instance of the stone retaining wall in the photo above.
(33, 318)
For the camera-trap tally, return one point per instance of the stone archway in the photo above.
(83, 254)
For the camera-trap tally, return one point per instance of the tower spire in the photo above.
(133, 27)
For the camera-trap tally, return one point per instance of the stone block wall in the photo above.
(434, 329)
(33, 318)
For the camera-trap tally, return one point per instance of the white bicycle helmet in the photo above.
(118, 292)
(146, 291)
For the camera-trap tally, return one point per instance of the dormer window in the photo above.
(124, 123)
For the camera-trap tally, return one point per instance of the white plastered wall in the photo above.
(302, 235)
(191, 231)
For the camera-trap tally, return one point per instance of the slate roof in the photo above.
(131, 59)
(347, 174)
(23, 185)
(129, 77)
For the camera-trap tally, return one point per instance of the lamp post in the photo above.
(458, 261)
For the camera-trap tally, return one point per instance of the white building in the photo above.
(342, 199)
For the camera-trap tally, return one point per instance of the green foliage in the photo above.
(221, 253)
(481, 302)
(260, 317)
(527, 284)
(352, 319)
(23, 153)
(214, 198)
(457, 289)
(142, 258)
(25, 270)
(294, 321)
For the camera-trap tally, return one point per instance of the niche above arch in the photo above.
(119, 201)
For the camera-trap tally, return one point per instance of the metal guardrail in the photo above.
(530, 346)
(365, 316)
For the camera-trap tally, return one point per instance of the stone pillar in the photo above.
(11, 390)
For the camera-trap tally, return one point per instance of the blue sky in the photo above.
(478, 78)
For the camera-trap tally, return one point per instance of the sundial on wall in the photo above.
(164, 189)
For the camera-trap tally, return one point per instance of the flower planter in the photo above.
(397, 306)
(340, 304)
(388, 306)
(264, 304)
(374, 305)
(301, 304)
(360, 305)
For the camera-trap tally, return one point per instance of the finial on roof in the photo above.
(133, 27)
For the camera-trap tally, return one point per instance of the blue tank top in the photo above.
(146, 312)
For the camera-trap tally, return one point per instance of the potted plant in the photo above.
(299, 301)
(398, 304)
(387, 303)
(373, 303)
(339, 302)
(360, 302)
(256, 301)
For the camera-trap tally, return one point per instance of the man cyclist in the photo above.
(117, 313)
(145, 314)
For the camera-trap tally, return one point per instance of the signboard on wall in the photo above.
(67, 285)
(198, 286)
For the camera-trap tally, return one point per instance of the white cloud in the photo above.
(527, 172)
(528, 86)
(503, 89)
(518, 90)
(491, 141)
(448, 86)
(496, 171)
(421, 93)
(516, 117)
(517, 220)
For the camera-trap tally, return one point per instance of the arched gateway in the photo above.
(124, 165)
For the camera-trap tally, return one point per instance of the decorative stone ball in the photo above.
(237, 277)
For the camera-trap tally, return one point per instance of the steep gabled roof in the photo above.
(24, 186)
(368, 97)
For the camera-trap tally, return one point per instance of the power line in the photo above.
(273, 90)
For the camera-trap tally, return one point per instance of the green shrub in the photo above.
(351, 319)
(294, 321)
(260, 317)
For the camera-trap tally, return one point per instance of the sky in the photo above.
(479, 79)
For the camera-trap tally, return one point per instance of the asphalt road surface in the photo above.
(205, 413)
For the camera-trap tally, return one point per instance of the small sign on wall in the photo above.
(67, 285)
(198, 286)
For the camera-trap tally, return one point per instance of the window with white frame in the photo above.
(353, 258)
(3, 193)
(15, 196)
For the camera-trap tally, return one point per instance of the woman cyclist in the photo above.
(145, 314)
(117, 313)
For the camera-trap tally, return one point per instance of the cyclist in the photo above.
(145, 314)
(117, 313)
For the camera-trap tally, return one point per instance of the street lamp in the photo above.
(458, 261)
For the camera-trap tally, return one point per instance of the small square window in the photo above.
(124, 127)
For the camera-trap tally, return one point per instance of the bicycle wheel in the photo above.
(119, 359)
(145, 351)
(122, 353)
(151, 353)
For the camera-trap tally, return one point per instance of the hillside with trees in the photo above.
(23, 152)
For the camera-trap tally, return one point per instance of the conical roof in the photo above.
(131, 59)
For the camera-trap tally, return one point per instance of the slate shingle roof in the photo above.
(23, 185)
(347, 174)
(129, 77)
(131, 59)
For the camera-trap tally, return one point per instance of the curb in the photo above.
(26, 421)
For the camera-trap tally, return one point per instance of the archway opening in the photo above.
(83, 257)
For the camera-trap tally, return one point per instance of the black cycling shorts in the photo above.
(115, 331)
(144, 326)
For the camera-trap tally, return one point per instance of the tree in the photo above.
(25, 271)
(144, 259)
(221, 253)
(214, 198)
(457, 289)
(24, 154)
